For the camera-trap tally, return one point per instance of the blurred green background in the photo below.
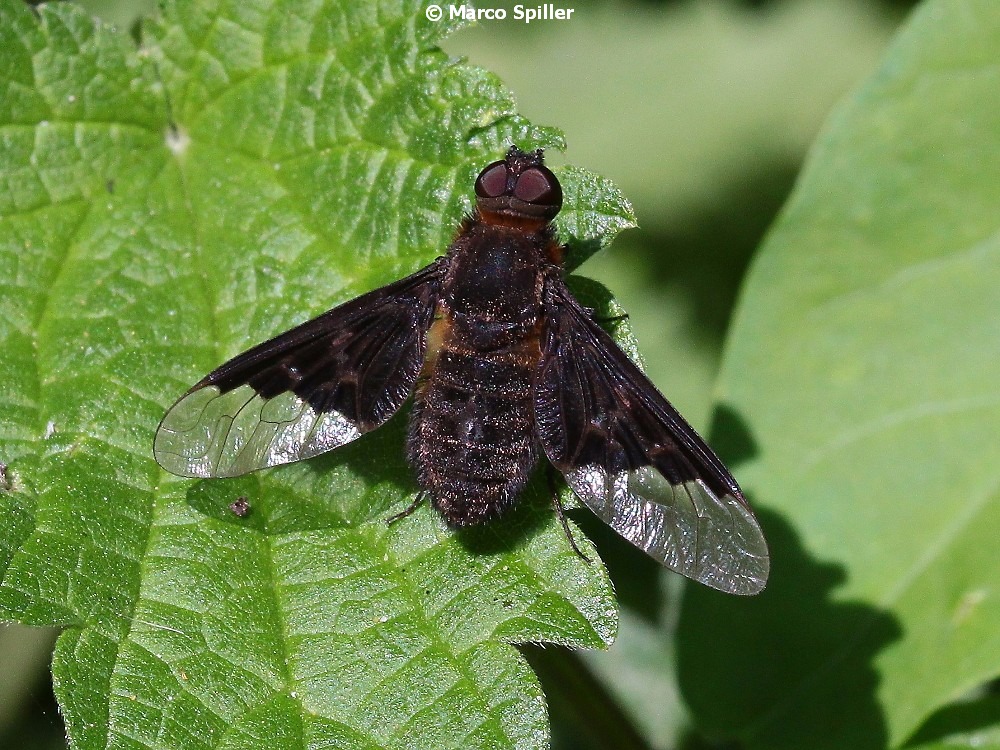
(702, 112)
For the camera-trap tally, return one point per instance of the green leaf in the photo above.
(860, 385)
(248, 166)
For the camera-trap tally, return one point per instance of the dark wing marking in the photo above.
(309, 390)
(634, 461)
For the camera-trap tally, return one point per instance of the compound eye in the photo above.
(492, 181)
(538, 186)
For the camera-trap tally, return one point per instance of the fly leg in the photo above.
(612, 318)
(550, 474)
(421, 497)
(603, 320)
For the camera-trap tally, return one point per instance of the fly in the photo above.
(505, 367)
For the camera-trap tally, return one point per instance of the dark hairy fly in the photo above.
(505, 367)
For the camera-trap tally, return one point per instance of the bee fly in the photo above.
(505, 366)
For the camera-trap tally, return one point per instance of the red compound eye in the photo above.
(492, 181)
(538, 186)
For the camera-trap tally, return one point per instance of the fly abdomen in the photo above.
(471, 436)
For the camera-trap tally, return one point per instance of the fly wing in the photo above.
(634, 461)
(309, 390)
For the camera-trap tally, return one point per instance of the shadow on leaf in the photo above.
(790, 668)
(971, 722)
(526, 519)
